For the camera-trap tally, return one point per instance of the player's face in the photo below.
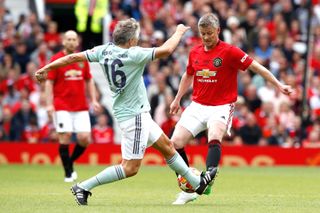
(70, 42)
(209, 36)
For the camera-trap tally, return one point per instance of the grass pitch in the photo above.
(25, 188)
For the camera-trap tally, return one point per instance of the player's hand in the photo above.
(182, 28)
(96, 106)
(286, 89)
(174, 107)
(41, 75)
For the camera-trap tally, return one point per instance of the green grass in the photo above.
(25, 188)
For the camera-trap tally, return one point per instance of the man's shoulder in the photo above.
(226, 45)
(197, 48)
(57, 55)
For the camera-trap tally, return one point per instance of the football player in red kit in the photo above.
(67, 104)
(212, 68)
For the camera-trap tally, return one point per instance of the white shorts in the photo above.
(196, 117)
(138, 133)
(66, 121)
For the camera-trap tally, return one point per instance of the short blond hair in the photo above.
(209, 20)
(126, 30)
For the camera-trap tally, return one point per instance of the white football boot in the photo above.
(184, 197)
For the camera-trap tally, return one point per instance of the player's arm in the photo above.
(170, 45)
(184, 85)
(60, 62)
(49, 96)
(92, 94)
(266, 74)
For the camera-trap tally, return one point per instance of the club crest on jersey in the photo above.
(206, 73)
(217, 62)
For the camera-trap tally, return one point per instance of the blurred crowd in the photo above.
(272, 32)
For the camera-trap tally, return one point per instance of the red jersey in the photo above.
(69, 85)
(215, 73)
(102, 134)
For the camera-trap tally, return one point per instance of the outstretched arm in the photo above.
(170, 45)
(266, 74)
(185, 84)
(66, 60)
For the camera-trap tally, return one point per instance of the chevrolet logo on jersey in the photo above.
(72, 73)
(206, 73)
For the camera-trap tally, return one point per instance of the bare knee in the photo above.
(165, 146)
(181, 136)
(83, 139)
(216, 131)
(178, 142)
(64, 138)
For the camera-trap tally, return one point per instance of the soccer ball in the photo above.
(184, 185)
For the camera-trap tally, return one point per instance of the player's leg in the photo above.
(162, 143)
(180, 137)
(134, 141)
(189, 125)
(176, 163)
(219, 122)
(174, 160)
(216, 132)
(63, 125)
(64, 140)
(81, 125)
(127, 168)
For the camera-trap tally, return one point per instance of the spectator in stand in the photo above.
(169, 123)
(251, 98)
(315, 59)
(11, 95)
(264, 112)
(263, 50)
(21, 119)
(158, 91)
(250, 133)
(27, 80)
(8, 64)
(102, 133)
(5, 123)
(286, 116)
(31, 133)
(42, 55)
(21, 56)
(41, 110)
(313, 140)
(52, 37)
(149, 8)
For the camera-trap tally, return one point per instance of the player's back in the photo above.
(123, 69)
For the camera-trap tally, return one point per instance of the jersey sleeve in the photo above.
(190, 70)
(94, 54)
(142, 55)
(239, 59)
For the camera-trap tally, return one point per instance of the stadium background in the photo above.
(273, 32)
